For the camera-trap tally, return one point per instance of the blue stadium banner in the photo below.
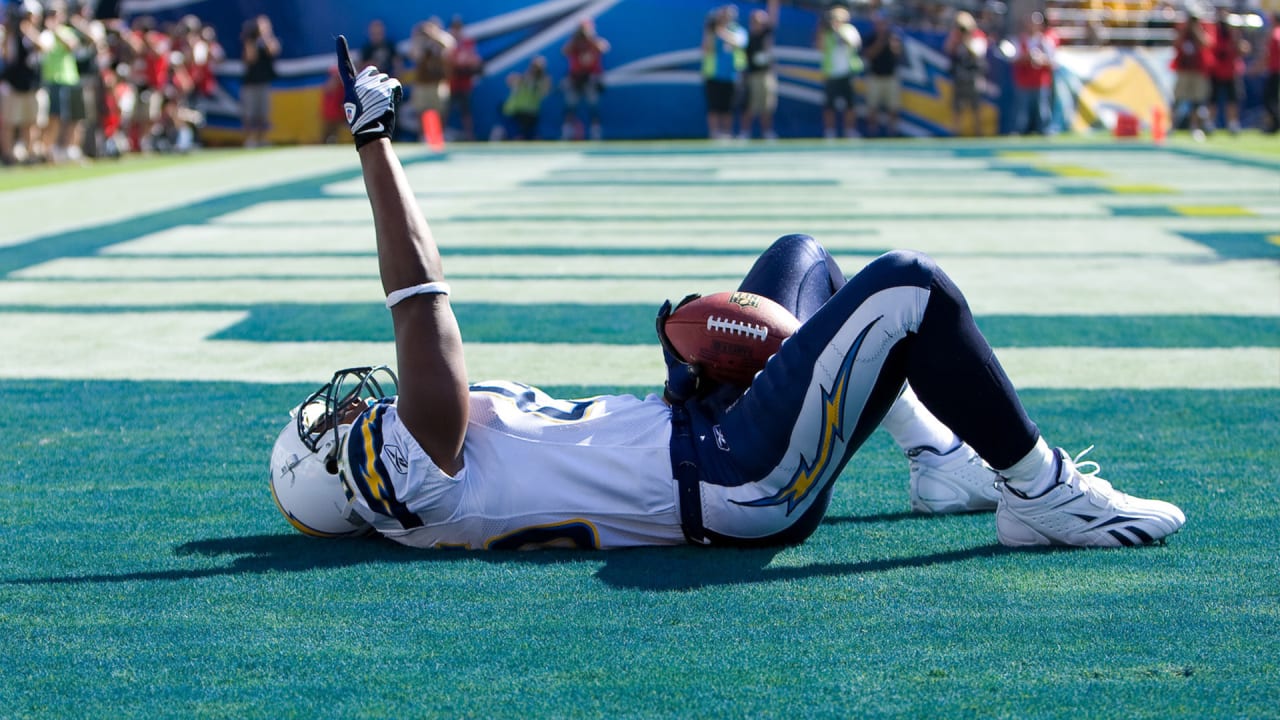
(652, 77)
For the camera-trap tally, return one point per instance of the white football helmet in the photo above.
(305, 478)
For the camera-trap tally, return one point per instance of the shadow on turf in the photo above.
(690, 568)
(262, 554)
(658, 569)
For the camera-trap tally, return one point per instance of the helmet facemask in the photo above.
(305, 468)
(320, 412)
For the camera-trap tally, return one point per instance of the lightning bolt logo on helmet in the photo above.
(807, 476)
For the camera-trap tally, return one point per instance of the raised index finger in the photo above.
(345, 67)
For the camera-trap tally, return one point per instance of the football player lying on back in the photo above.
(444, 463)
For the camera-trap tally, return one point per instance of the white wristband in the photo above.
(431, 288)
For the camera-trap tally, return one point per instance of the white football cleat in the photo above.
(1083, 510)
(952, 483)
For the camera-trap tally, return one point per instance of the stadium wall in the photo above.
(653, 80)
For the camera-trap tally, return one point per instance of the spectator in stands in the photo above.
(90, 54)
(118, 70)
(761, 72)
(1270, 61)
(523, 106)
(61, 80)
(26, 104)
(430, 48)
(204, 52)
(149, 49)
(724, 43)
(465, 65)
(117, 103)
(380, 51)
(1033, 76)
(1191, 58)
(260, 50)
(1226, 71)
(180, 85)
(190, 77)
(966, 48)
(884, 89)
(582, 86)
(4, 85)
(176, 130)
(840, 44)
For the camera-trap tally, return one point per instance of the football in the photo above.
(730, 335)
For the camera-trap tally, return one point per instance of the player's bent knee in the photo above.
(795, 245)
(903, 267)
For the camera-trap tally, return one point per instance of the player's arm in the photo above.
(433, 380)
(433, 376)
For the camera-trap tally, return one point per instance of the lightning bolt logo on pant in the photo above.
(807, 476)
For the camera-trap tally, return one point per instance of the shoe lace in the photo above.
(1088, 470)
(1080, 463)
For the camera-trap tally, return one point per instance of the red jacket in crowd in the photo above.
(1028, 71)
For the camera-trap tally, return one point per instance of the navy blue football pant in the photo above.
(768, 458)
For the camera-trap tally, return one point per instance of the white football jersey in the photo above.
(537, 472)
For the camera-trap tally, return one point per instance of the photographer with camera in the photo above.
(1271, 85)
(841, 45)
(25, 105)
(724, 43)
(261, 48)
(582, 86)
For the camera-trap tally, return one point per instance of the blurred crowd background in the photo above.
(81, 80)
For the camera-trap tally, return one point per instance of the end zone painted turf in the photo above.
(289, 228)
(151, 345)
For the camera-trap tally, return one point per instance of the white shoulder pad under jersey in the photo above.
(591, 473)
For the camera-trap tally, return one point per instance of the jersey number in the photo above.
(574, 534)
(529, 400)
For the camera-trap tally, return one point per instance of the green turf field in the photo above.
(157, 322)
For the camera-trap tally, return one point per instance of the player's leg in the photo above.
(946, 475)
(797, 273)
(783, 444)
(768, 462)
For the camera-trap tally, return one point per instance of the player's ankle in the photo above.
(1036, 473)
